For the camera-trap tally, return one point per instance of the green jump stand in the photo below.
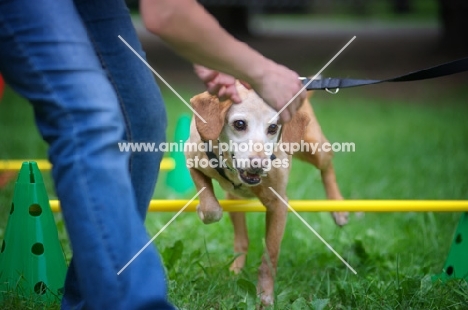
(179, 179)
(456, 265)
(32, 263)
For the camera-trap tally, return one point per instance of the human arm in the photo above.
(194, 34)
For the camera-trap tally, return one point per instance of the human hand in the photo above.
(219, 84)
(277, 85)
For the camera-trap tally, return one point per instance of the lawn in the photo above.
(405, 149)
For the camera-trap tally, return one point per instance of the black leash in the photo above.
(449, 68)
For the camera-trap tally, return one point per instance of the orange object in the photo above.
(2, 87)
(6, 177)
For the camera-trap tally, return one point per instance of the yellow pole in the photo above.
(315, 205)
(44, 165)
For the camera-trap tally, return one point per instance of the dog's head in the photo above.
(244, 128)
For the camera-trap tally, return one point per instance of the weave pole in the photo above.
(45, 165)
(315, 205)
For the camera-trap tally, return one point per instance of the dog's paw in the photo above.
(341, 218)
(238, 264)
(267, 301)
(209, 215)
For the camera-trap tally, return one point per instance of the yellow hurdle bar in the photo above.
(315, 205)
(45, 165)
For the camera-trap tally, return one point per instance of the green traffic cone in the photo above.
(179, 179)
(456, 265)
(32, 263)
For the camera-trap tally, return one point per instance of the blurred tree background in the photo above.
(234, 15)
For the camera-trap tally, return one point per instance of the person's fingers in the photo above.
(303, 95)
(197, 67)
(233, 94)
(200, 70)
(205, 74)
(225, 79)
(213, 88)
(246, 85)
(229, 93)
(222, 94)
(296, 103)
(236, 98)
(292, 109)
(285, 116)
(299, 100)
(219, 84)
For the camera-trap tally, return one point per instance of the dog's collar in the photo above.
(211, 155)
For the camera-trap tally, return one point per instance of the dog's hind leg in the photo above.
(333, 192)
(241, 238)
(209, 209)
(327, 172)
(321, 158)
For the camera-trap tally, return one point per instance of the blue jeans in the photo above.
(89, 92)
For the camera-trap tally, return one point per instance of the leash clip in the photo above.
(331, 92)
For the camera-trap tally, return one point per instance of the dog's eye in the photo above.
(272, 129)
(239, 125)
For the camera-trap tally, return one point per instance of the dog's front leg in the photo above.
(241, 238)
(276, 215)
(208, 209)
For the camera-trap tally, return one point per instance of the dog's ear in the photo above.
(294, 130)
(213, 112)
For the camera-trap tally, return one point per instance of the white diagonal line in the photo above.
(303, 88)
(161, 78)
(313, 230)
(160, 231)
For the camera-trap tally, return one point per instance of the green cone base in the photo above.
(32, 263)
(456, 265)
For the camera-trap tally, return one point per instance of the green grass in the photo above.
(404, 150)
(342, 14)
(420, 10)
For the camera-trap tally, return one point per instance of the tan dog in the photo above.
(241, 123)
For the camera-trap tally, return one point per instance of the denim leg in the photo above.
(46, 55)
(139, 95)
